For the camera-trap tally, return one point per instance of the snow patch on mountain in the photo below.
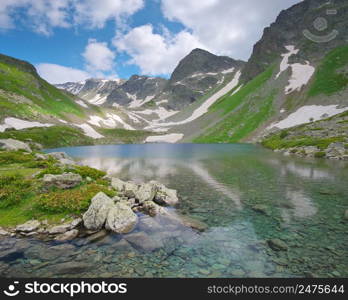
(111, 121)
(308, 113)
(200, 111)
(89, 131)
(284, 64)
(301, 74)
(83, 104)
(168, 138)
(19, 124)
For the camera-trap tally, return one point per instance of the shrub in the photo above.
(13, 157)
(71, 201)
(86, 171)
(320, 154)
(284, 134)
(13, 189)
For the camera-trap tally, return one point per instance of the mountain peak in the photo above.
(202, 61)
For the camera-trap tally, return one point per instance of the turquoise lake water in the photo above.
(246, 195)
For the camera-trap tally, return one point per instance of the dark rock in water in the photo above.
(261, 209)
(143, 241)
(346, 214)
(277, 245)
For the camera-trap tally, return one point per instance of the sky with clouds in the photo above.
(72, 40)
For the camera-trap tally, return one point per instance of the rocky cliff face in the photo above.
(196, 75)
(314, 26)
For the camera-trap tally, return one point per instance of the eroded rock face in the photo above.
(62, 181)
(29, 226)
(94, 218)
(121, 218)
(14, 145)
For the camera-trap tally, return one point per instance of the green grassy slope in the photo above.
(241, 113)
(19, 88)
(331, 77)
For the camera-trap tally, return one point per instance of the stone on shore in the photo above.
(67, 236)
(130, 189)
(121, 219)
(117, 184)
(63, 158)
(59, 229)
(29, 226)
(14, 145)
(146, 192)
(94, 218)
(164, 196)
(62, 181)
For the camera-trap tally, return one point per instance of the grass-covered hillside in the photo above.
(26, 97)
(23, 197)
(244, 115)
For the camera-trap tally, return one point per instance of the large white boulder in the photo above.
(94, 218)
(121, 218)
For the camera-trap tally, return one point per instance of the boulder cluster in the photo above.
(118, 214)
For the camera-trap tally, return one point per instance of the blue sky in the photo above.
(71, 40)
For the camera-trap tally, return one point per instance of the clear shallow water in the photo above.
(302, 201)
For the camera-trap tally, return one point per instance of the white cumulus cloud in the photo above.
(40, 15)
(98, 56)
(96, 12)
(59, 74)
(225, 26)
(155, 53)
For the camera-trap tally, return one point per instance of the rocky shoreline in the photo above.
(152, 201)
(335, 151)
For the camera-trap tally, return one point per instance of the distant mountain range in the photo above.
(297, 74)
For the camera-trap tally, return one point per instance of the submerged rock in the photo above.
(94, 218)
(121, 218)
(14, 145)
(62, 181)
(277, 245)
(143, 241)
(346, 214)
(29, 226)
(97, 236)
